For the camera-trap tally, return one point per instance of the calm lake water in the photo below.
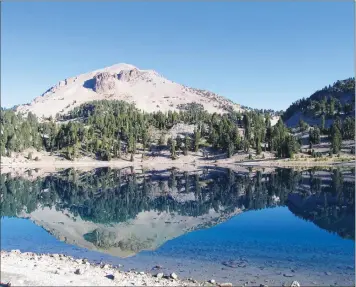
(255, 227)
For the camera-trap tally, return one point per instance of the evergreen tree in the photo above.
(173, 148)
(196, 140)
(348, 128)
(186, 145)
(322, 123)
(336, 138)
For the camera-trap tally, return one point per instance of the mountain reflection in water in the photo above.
(122, 212)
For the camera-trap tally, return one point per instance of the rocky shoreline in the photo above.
(31, 269)
(28, 268)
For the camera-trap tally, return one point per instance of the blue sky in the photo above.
(259, 54)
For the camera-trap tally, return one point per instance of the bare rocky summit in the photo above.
(146, 88)
(104, 83)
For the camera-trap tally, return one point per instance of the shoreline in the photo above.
(162, 160)
(195, 163)
(37, 269)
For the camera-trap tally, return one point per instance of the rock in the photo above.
(328, 273)
(288, 275)
(110, 276)
(142, 273)
(226, 284)
(263, 285)
(160, 275)
(349, 267)
(104, 83)
(295, 284)
(79, 271)
(104, 266)
(174, 276)
(234, 263)
(212, 281)
(16, 251)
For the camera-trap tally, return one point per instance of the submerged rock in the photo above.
(288, 275)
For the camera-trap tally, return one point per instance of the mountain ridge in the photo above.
(147, 89)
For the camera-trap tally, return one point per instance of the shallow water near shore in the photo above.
(256, 228)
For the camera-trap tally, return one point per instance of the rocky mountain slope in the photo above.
(146, 88)
(338, 99)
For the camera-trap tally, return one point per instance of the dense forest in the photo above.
(107, 195)
(107, 129)
(327, 102)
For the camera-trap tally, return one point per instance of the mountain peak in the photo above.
(147, 89)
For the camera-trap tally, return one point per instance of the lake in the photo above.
(261, 227)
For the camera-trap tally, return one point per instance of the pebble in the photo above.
(110, 276)
(212, 281)
(174, 276)
(79, 271)
(328, 273)
(227, 284)
(160, 275)
(142, 273)
(295, 284)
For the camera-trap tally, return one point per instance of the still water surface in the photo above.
(255, 227)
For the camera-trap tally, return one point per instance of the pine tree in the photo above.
(186, 145)
(196, 140)
(258, 146)
(230, 149)
(322, 123)
(173, 148)
(119, 148)
(348, 129)
(336, 139)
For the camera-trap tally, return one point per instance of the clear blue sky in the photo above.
(260, 54)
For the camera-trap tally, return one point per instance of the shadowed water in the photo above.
(254, 227)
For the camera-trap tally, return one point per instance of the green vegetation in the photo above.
(114, 129)
(108, 129)
(325, 102)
